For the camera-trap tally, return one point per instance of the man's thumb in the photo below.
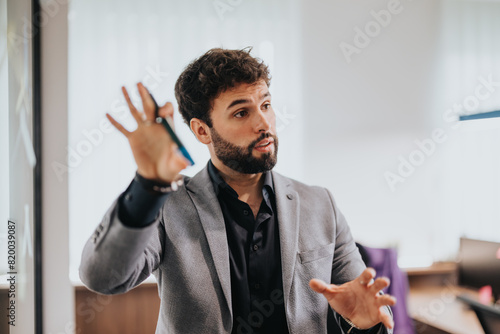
(318, 285)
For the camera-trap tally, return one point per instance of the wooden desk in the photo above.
(133, 312)
(4, 303)
(432, 302)
(436, 310)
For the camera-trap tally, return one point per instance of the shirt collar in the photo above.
(221, 185)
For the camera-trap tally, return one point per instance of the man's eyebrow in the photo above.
(243, 101)
(236, 102)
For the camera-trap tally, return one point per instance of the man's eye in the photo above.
(267, 106)
(240, 114)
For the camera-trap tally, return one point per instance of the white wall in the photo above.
(364, 111)
(369, 110)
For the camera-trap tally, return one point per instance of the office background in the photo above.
(347, 118)
(367, 96)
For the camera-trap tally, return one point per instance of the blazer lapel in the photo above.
(201, 191)
(287, 204)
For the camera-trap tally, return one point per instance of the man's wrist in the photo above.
(139, 205)
(350, 328)
(157, 187)
(350, 324)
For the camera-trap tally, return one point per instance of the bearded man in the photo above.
(238, 248)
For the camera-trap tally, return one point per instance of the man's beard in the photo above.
(240, 158)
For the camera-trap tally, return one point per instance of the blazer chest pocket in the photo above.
(316, 254)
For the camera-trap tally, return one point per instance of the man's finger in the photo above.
(366, 276)
(118, 126)
(321, 287)
(147, 102)
(386, 319)
(167, 110)
(318, 285)
(380, 283)
(386, 300)
(137, 116)
(180, 161)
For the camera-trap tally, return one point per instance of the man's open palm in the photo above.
(155, 153)
(359, 300)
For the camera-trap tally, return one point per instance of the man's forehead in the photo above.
(244, 91)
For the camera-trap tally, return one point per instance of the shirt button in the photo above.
(245, 212)
(255, 247)
(257, 286)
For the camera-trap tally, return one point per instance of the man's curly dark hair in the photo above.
(213, 73)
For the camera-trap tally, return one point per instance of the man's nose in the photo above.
(263, 121)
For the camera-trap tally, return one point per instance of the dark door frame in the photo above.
(37, 177)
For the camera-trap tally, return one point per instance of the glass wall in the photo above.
(17, 170)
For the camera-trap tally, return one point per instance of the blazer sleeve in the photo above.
(117, 258)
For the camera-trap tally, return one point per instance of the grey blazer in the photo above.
(186, 249)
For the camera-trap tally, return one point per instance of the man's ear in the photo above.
(200, 130)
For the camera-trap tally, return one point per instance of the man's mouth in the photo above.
(265, 145)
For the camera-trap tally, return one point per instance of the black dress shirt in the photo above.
(255, 260)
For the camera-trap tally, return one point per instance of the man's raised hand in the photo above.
(156, 155)
(359, 300)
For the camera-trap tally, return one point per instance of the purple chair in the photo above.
(385, 263)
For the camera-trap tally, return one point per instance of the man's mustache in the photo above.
(262, 136)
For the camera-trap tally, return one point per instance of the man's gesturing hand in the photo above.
(155, 153)
(359, 300)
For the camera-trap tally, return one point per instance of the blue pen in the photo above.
(168, 127)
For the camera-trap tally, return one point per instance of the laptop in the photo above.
(489, 316)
